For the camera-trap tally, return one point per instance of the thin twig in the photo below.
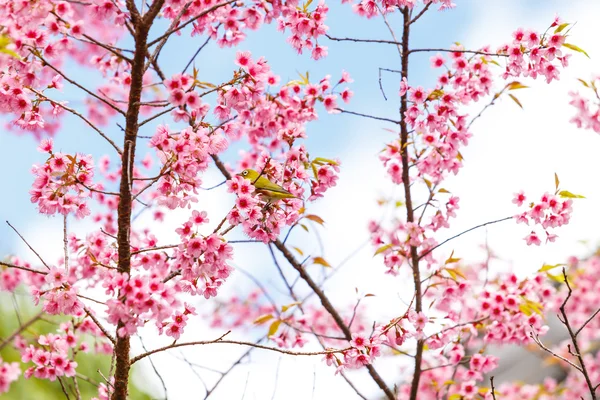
(241, 343)
(162, 381)
(72, 82)
(28, 245)
(420, 14)
(578, 352)
(587, 322)
(99, 325)
(462, 233)
(195, 55)
(537, 340)
(87, 121)
(368, 116)
(5, 264)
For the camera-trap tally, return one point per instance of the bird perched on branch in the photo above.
(268, 190)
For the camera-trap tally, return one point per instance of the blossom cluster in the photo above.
(47, 32)
(440, 129)
(395, 243)
(63, 183)
(373, 8)
(552, 211)
(184, 156)
(226, 21)
(53, 354)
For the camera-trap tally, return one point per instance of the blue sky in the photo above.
(512, 149)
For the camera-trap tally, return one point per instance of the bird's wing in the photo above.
(264, 184)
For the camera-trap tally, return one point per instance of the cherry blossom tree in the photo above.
(456, 309)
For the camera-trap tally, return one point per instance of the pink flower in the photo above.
(437, 61)
(533, 238)
(519, 198)
(420, 320)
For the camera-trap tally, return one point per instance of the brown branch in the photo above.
(475, 52)
(573, 336)
(169, 246)
(99, 325)
(5, 264)
(493, 388)
(408, 199)
(535, 337)
(153, 59)
(356, 40)
(241, 343)
(587, 322)
(420, 14)
(141, 28)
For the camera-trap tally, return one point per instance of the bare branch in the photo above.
(462, 233)
(573, 336)
(420, 14)
(241, 343)
(5, 264)
(587, 322)
(368, 116)
(537, 340)
(99, 325)
(87, 121)
(28, 245)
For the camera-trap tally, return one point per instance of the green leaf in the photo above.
(304, 227)
(515, 100)
(568, 195)
(262, 319)
(321, 261)
(548, 267)
(274, 327)
(383, 248)
(442, 190)
(576, 48)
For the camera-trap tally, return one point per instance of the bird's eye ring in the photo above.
(244, 172)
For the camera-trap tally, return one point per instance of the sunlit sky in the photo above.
(512, 149)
